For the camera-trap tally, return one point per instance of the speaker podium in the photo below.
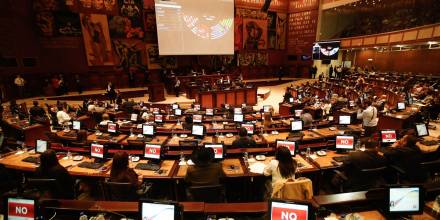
(156, 92)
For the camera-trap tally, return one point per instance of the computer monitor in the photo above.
(152, 151)
(197, 107)
(422, 130)
(197, 130)
(238, 111)
(76, 125)
(134, 117)
(296, 125)
(175, 106)
(197, 118)
(148, 130)
(291, 100)
(21, 209)
(155, 210)
(344, 142)
(291, 145)
(250, 128)
(405, 200)
(158, 118)
(266, 108)
(298, 210)
(209, 111)
(344, 119)
(351, 103)
(112, 127)
(388, 136)
(40, 146)
(401, 106)
(238, 118)
(178, 112)
(218, 150)
(97, 151)
(298, 112)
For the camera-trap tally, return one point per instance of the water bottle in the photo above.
(308, 152)
(358, 145)
(246, 159)
(69, 155)
(23, 147)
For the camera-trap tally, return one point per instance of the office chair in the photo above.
(42, 188)
(81, 139)
(119, 191)
(370, 178)
(296, 189)
(211, 194)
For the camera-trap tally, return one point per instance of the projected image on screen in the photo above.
(195, 27)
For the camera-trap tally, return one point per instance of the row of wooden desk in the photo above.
(237, 208)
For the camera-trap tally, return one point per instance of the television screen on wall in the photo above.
(326, 50)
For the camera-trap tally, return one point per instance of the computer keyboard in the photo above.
(35, 160)
(147, 166)
(70, 134)
(145, 139)
(90, 165)
(344, 128)
(101, 137)
(429, 142)
(340, 158)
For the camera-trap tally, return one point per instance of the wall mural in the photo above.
(154, 61)
(98, 6)
(281, 26)
(128, 53)
(67, 23)
(254, 34)
(96, 39)
(253, 59)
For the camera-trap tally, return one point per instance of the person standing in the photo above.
(78, 84)
(177, 87)
(111, 93)
(369, 118)
(20, 83)
(330, 71)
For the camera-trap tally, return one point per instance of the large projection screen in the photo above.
(195, 27)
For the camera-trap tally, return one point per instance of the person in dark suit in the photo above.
(243, 141)
(50, 168)
(37, 113)
(188, 123)
(120, 172)
(204, 172)
(110, 92)
(359, 160)
(406, 155)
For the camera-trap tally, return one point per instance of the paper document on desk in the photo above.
(257, 167)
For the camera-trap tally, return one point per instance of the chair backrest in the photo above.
(188, 143)
(298, 189)
(212, 193)
(374, 171)
(431, 166)
(120, 191)
(46, 187)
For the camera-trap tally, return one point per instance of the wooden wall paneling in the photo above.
(251, 96)
(240, 97)
(207, 100)
(220, 99)
(230, 97)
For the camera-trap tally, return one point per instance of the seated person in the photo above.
(307, 119)
(120, 172)
(405, 154)
(145, 115)
(62, 116)
(204, 172)
(188, 123)
(287, 95)
(37, 113)
(105, 119)
(50, 168)
(267, 119)
(243, 141)
(281, 168)
(358, 160)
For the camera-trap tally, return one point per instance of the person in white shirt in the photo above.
(281, 168)
(105, 119)
(369, 118)
(145, 115)
(91, 107)
(177, 87)
(326, 108)
(19, 83)
(63, 117)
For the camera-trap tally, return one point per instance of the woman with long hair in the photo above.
(282, 167)
(50, 168)
(120, 171)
